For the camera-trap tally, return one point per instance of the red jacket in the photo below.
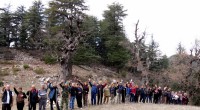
(133, 90)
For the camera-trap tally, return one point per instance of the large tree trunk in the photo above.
(66, 65)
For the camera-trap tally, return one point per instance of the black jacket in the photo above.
(4, 97)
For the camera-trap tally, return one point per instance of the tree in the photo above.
(112, 36)
(139, 49)
(6, 27)
(72, 12)
(87, 50)
(35, 17)
(180, 49)
(21, 27)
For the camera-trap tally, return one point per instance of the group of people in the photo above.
(101, 93)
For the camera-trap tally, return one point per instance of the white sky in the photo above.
(170, 21)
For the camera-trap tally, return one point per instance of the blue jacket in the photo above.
(94, 89)
(53, 91)
(128, 90)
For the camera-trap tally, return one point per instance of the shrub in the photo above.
(4, 72)
(49, 59)
(1, 83)
(6, 62)
(39, 71)
(26, 66)
(15, 69)
(123, 73)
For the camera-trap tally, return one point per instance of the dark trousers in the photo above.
(20, 106)
(132, 98)
(32, 106)
(6, 107)
(100, 98)
(79, 101)
(123, 97)
(136, 98)
(56, 102)
(142, 98)
(93, 99)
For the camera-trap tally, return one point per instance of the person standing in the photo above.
(85, 92)
(123, 93)
(113, 92)
(20, 98)
(94, 92)
(128, 92)
(100, 88)
(73, 91)
(79, 96)
(33, 97)
(42, 94)
(53, 95)
(65, 94)
(106, 92)
(7, 98)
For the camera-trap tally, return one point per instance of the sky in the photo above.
(169, 21)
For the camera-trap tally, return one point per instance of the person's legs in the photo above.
(44, 104)
(4, 106)
(34, 106)
(72, 99)
(101, 98)
(51, 104)
(62, 103)
(86, 100)
(66, 103)
(40, 105)
(107, 99)
(92, 99)
(98, 98)
(56, 102)
(20, 106)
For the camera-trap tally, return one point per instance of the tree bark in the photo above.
(66, 65)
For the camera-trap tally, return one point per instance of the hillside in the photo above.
(25, 70)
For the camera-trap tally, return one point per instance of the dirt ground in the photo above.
(133, 106)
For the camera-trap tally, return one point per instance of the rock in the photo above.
(38, 76)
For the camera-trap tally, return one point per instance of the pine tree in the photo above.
(112, 36)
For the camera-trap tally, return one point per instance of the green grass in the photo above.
(26, 66)
(7, 62)
(4, 72)
(15, 69)
(39, 71)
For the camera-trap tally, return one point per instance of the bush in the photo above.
(49, 59)
(39, 71)
(1, 83)
(26, 66)
(123, 73)
(4, 72)
(15, 69)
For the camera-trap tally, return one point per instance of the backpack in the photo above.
(20, 99)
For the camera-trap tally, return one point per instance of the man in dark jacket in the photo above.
(7, 98)
(100, 88)
(85, 92)
(79, 95)
(33, 98)
(53, 95)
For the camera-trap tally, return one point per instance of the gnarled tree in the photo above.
(72, 14)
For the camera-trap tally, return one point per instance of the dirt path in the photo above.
(142, 107)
